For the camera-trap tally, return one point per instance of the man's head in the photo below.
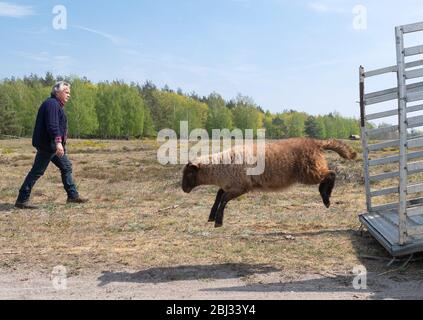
(61, 90)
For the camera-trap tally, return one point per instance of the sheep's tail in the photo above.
(344, 150)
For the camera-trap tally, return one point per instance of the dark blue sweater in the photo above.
(51, 125)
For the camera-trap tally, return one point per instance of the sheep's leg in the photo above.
(216, 204)
(326, 187)
(227, 196)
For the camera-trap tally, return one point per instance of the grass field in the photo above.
(139, 217)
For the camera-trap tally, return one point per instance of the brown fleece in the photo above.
(290, 161)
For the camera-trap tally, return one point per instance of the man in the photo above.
(49, 138)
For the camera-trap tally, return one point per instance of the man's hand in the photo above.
(60, 151)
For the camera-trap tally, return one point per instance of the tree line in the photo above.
(120, 110)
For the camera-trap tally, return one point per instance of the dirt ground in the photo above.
(141, 237)
(219, 282)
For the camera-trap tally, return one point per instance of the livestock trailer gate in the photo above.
(395, 209)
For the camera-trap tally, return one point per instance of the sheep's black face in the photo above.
(189, 179)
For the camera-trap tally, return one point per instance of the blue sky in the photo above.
(302, 54)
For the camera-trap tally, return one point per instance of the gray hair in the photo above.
(59, 87)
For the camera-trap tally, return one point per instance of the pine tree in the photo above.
(312, 128)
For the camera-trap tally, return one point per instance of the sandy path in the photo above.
(135, 285)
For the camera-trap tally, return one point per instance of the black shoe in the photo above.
(25, 205)
(77, 200)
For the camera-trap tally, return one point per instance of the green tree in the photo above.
(8, 120)
(313, 128)
(294, 123)
(132, 107)
(275, 126)
(149, 130)
(152, 110)
(219, 117)
(108, 110)
(246, 115)
(81, 109)
(330, 126)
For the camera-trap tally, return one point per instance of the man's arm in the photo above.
(53, 129)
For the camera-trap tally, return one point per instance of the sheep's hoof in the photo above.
(327, 204)
(211, 220)
(218, 225)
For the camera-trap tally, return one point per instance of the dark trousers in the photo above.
(42, 160)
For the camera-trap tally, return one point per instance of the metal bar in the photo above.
(412, 74)
(413, 64)
(413, 27)
(389, 69)
(410, 189)
(413, 155)
(414, 142)
(384, 207)
(394, 205)
(384, 176)
(414, 96)
(364, 139)
(380, 93)
(376, 72)
(382, 145)
(415, 188)
(385, 160)
(381, 98)
(362, 106)
(383, 114)
(374, 132)
(414, 108)
(416, 170)
(413, 122)
(384, 192)
(402, 123)
(413, 87)
(411, 51)
(393, 159)
(416, 220)
(413, 167)
(412, 231)
(414, 211)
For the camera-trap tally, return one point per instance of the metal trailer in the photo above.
(398, 225)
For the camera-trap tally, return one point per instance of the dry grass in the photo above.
(139, 217)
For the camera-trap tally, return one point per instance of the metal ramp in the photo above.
(397, 225)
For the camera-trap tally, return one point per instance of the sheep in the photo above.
(290, 161)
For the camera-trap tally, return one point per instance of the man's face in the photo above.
(64, 95)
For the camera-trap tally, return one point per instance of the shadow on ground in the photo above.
(324, 284)
(310, 233)
(6, 207)
(384, 279)
(394, 281)
(378, 287)
(196, 272)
